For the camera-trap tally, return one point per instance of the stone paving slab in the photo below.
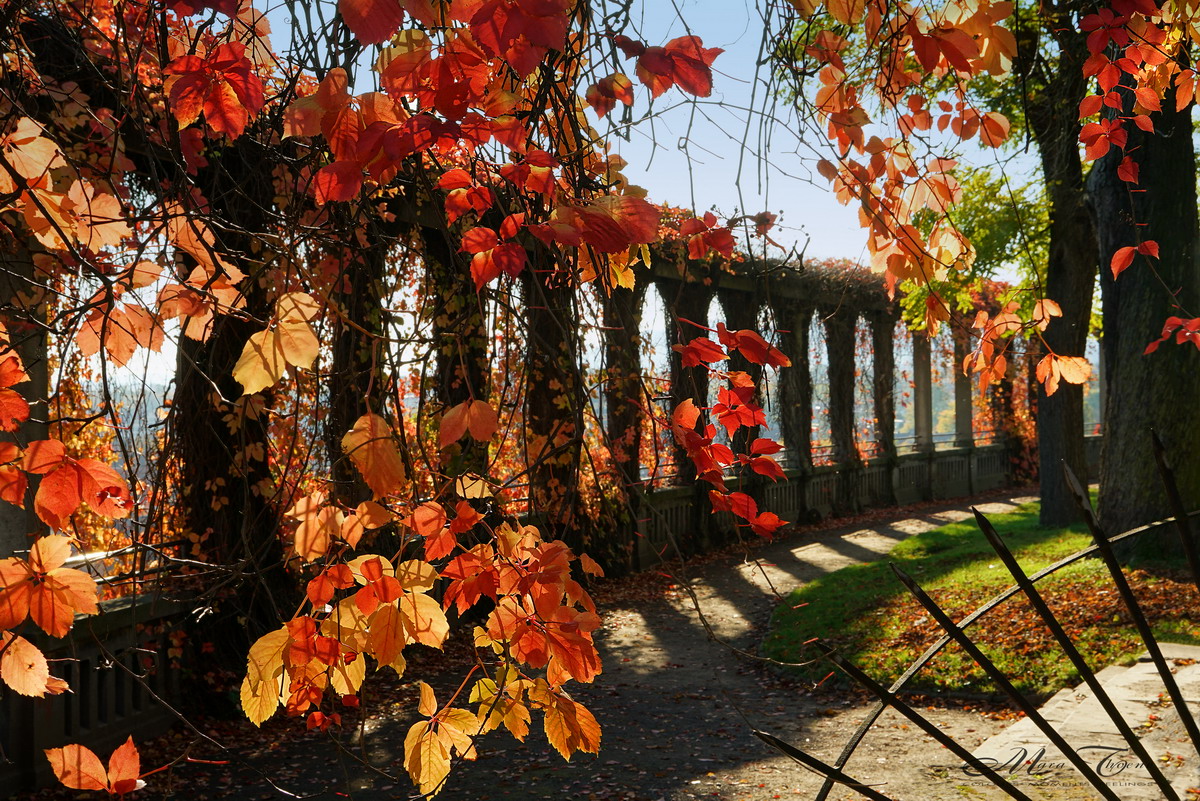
(1023, 752)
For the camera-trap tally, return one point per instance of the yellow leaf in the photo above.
(370, 446)
(347, 677)
(847, 12)
(298, 343)
(261, 364)
(1074, 369)
(416, 575)
(426, 758)
(297, 306)
(424, 620)
(264, 668)
(427, 705)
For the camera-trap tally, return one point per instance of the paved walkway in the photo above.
(676, 706)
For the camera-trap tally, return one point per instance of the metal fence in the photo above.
(891, 697)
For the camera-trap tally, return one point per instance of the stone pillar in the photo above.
(839, 340)
(923, 391)
(964, 433)
(883, 328)
(623, 418)
(741, 312)
(685, 301)
(795, 387)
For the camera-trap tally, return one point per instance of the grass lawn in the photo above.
(866, 613)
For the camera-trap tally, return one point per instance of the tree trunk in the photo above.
(27, 336)
(357, 354)
(1159, 390)
(461, 340)
(1071, 269)
(221, 438)
(554, 399)
(623, 412)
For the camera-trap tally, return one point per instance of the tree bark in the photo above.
(460, 335)
(357, 355)
(624, 416)
(554, 399)
(1156, 391)
(221, 437)
(1052, 113)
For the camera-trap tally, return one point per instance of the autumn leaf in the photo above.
(14, 409)
(1072, 369)
(477, 417)
(370, 447)
(77, 767)
(430, 744)
(264, 670)
(223, 85)
(24, 668)
(43, 589)
(320, 524)
(267, 354)
(569, 725)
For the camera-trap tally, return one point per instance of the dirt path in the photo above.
(676, 707)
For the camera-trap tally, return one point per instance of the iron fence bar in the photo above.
(934, 649)
(1072, 653)
(830, 773)
(1135, 610)
(1182, 523)
(933, 731)
(997, 675)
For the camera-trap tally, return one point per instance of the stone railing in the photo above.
(826, 491)
(120, 675)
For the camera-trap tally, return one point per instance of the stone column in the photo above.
(883, 328)
(964, 433)
(795, 386)
(923, 391)
(688, 301)
(839, 340)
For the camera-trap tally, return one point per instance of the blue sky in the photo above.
(707, 154)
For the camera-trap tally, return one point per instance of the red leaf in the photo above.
(1128, 170)
(1148, 248)
(371, 21)
(340, 181)
(1122, 259)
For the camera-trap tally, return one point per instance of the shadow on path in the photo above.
(676, 707)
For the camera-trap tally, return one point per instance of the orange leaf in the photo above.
(340, 181)
(22, 666)
(124, 768)
(370, 446)
(78, 768)
(477, 416)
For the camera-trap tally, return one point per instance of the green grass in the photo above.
(865, 612)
